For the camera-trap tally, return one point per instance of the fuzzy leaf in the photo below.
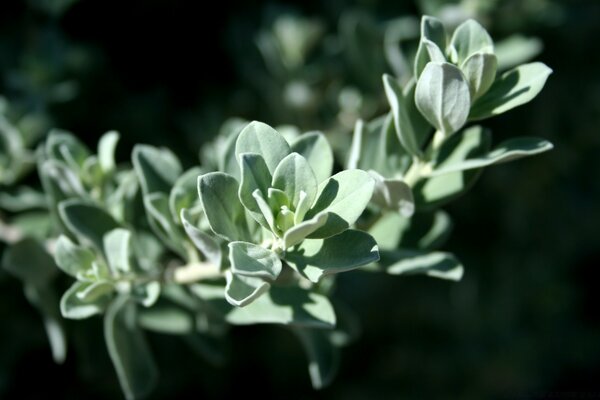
(117, 250)
(156, 168)
(294, 175)
(80, 301)
(243, 290)
(252, 260)
(316, 149)
(402, 122)
(208, 246)
(469, 38)
(432, 29)
(255, 176)
(106, 151)
(261, 139)
(480, 71)
(435, 264)
(71, 258)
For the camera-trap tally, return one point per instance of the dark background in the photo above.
(523, 322)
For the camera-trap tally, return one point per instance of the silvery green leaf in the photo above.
(323, 356)
(470, 143)
(224, 212)
(146, 294)
(315, 258)
(266, 213)
(345, 194)
(106, 151)
(480, 71)
(515, 50)
(88, 222)
(432, 30)
(209, 247)
(162, 223)
(71, 258)
(156, 168)
(508, 150)
(315, 148)
(287, 306)
(512, 89)
(442, 96)
(128, 349)
(294, 175)
(117, 250)
(64, 146)
(261, 139)
(420, 125)
(393, 194)
(243, 290)
(66, 180)
(435, 264)
(227, 160)
(255, 176)
(402, 122)
(94, 291)
(251, 260)
(388, 230)
(73, 306)
(167, 319)
(29, 261)
(299, 232)
(21, 198)
(435, 53)
(469, 38)
(184, 193)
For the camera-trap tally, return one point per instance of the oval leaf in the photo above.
(260, 138)
(252, 260)
(316, 149)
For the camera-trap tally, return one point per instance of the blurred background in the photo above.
(523, 322)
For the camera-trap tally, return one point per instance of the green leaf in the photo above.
(128, 349)
(106, 151)
(147, 293)
(432, 30)
(255, 176)
(442, 96)
(294, 175)
(117, 250)
(515, 50)
(71, 258)
(480, 71)
(402, 121)
(29, 261)
(252, 260)
(315, 148)
(299, 232)
(469, 38)
(162, 222)
(184, 193)
(512, 89)
(226, 215)
(346, 194)
(167, 319)
(435, 264)
(315, 258)
(156, 168)
(260, 138)
(323, 356)
(208, 246)
(75, 305)
(89, 223)
(509, 150)
(243, 290)
(22, 198)
(393, 194)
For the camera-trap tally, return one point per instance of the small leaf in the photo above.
(117, 250)
(296, 234)
(315, 258)
(128, 349)
(323, 356)
(29, 261)
(315, 148)
(393, 194)
(226, 215)
(512, 89)
(167, 319)
(72, 259)
(442, 96)
(252, 260)
(516, 50)
(480, 71)
(402, 122)
(157, 168)
(509, 150)
(106, 151)
(255, 176)
(184, 193)
(243, 290)
(147, 293)
(469, 38)
(435, 264)
(208, 246)
(294, 175)
(73, 306)
(432, 29)
(261, 139)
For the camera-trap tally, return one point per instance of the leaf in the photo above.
(393, 194)
(29, 261)
(480, 72)
(226, 215)
(147, 293)
(89, 223)
(261, 139)
(515, 50)
(315, 148)
(184, 193)
(435, 264)
(294, 175)
(106, 151)
(315, 258)
(402, 122)
(22, 198)
(167, 319)
(509, 150)
(157, 168)
(300, 231)
(512, 89)
(72, 259)
(117, 250)
(346, 194)
(442, 96)
(208, 246)
(74, 305)
(432, 30)
(323, 356)
(469, 38)
(243, 290)
(252, 260)
(128, 349)
(255, 176)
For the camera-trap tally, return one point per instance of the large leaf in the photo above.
(435, 264)
(433, 31)
(226, 215)
(402, 121)
(117, 249)
(207, 245)
(255, 176)
(512, 89)
(252, 260)
(156, 168)
(468, 38)
(72, 259)
(315, 258)
(294, 175)
(442, 96)
(128, 349)
(508, 150)
(260, 138)
(393, 194)
(84, 299)
(480, 72)
(243, 290)
(316, 149)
